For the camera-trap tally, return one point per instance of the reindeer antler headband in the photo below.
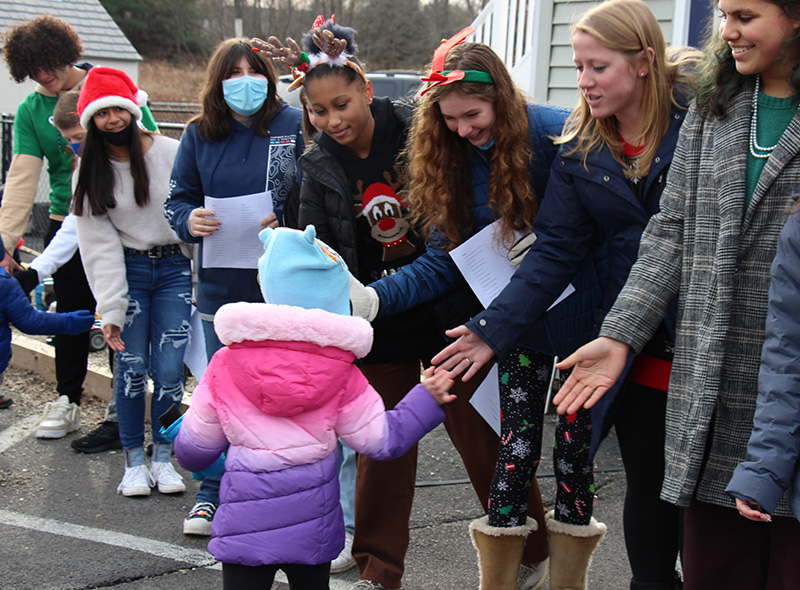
(439, 76)
(299, 62)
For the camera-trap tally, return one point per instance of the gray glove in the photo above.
(518, 251)
(363, 300)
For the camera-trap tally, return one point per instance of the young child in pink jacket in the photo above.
(277, 396)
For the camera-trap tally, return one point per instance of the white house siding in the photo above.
(541, 59)
(103, 41)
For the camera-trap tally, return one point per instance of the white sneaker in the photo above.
(532, 576)
(136, 481)
(345, 560)
(59, 418)
(169, 481)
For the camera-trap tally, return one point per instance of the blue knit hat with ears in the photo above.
(297, 269)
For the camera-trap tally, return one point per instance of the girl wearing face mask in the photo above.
(136, 266)
(244, 141)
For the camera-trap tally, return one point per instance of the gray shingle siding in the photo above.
(102, 38)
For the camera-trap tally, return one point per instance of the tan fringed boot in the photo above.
(571, 548)
(499, 552)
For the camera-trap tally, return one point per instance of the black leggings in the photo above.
(260, 577)
(653, 527)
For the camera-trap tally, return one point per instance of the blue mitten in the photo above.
(171, 431)
(76, 322)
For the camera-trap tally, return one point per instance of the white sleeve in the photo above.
(59, 251)
(104, 262)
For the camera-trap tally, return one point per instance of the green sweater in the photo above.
(774, 116)
(35, 135)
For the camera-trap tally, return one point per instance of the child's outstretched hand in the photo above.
(439, 384)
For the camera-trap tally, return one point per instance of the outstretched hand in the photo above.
(468, 353)
(113, 336)
(598, 365)
(439, 384)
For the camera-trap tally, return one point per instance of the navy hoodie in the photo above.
(232, 167)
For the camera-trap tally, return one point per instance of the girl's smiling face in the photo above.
(470, 117)
(757, 31)
(341, 110)
(112, 119)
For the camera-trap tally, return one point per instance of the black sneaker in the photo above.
(5, 401)
(198, 521)
(103, 438)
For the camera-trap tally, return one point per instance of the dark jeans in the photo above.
(725, 550)
(72, 350)
(260, 577)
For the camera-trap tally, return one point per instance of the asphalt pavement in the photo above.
(64, 527)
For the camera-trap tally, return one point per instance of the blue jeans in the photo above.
(155, 333)
(347, 484)
(209, 487)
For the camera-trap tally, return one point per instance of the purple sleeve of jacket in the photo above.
(415, 416)
(195, 455)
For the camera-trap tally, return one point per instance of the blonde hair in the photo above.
(629, 26)
(440, 191)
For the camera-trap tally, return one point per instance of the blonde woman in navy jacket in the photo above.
(601, 189)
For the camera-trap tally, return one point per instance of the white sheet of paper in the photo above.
(235, 244)
(195, 356)
(486, 399)
(486, 268)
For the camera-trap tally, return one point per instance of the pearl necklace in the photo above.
(754, 128)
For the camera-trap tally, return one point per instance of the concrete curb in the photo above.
(31, 355)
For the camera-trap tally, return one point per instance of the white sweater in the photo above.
(102, 238)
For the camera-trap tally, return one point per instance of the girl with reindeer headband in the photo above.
(354, 193)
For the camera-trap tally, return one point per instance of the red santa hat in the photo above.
(378, 193)
(107, 87)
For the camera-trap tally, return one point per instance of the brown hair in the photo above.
(41, 45)
(212, 121)
(440, 191)
(65, 113)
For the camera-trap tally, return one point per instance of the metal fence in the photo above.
(170, 117)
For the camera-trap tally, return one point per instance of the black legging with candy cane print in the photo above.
(524, 378)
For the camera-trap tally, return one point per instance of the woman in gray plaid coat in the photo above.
(734, 176)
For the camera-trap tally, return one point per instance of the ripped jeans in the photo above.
(155, 334)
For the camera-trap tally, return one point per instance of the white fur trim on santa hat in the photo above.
(108, 87)
(106, 102)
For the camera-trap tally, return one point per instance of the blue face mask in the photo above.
(245, 94)
(76, 147)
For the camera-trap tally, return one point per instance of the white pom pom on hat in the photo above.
(107, 87)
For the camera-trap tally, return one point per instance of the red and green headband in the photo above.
(440, 77)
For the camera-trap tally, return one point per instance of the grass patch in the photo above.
(165, 81)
